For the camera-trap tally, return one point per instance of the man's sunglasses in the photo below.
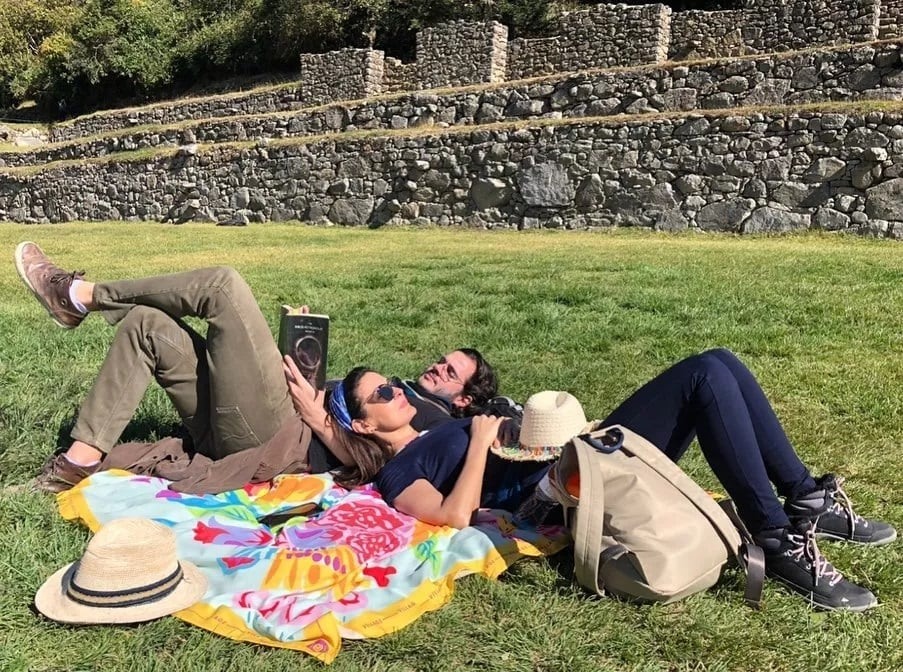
(383, 394)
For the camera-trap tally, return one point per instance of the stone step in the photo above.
(861, 72)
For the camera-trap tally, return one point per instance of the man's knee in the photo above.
(144, 320)
(225, 281)
(227, 277)
(709, 360)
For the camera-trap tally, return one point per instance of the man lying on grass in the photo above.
(229, 388)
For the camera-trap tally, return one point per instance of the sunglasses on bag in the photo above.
(383, 394)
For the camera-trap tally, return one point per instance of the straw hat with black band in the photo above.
(130, 573)
(550, 420)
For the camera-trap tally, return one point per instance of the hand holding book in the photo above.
(307, 400)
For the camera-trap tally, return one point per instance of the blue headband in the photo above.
(338, 409)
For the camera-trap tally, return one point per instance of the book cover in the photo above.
(305, 337)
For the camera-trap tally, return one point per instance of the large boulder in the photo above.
(591, 193)
(829, 168)
(241, 198)
(490, 192)
(671, 220)
(792, 194)
(885, 201)
(354, 167)
(351, 211)
(830, 220)
(546, 185)
(775, 169)
(724, 215)
(772, 220)
(768, 92)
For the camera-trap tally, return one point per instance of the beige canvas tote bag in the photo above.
(643, 529)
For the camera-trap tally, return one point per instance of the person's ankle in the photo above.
(83, 454)
(82, 294)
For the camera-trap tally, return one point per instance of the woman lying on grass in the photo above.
(443, 476)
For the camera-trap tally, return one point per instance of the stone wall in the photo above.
(461, 52)
(282, 98)
(890, 19)
(451, 54)
(862, 72)
(697, 34)
(398, 76)
(751, 174)
(347, 74)
(783, 25)
(604, 36)
(766, 26)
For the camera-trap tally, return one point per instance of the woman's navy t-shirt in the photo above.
(438, 456)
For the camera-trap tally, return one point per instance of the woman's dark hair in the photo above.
(482, 386)
(368, 455)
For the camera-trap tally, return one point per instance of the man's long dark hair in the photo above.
(482, 386)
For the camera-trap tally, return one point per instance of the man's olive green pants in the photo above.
(228, 387)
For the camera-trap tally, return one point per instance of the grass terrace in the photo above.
(817, 318)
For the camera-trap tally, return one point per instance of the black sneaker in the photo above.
(831, 510)
(792, 557)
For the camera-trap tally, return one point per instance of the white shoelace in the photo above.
(807, 548)
(842, 504)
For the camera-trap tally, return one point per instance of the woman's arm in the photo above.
(308, 403)
(422, 500)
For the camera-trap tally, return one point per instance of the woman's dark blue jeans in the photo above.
(714, 397)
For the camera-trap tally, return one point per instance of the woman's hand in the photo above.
(309, 404)
(307, 400)
(484, 431)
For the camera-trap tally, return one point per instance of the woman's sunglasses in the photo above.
(383, 394)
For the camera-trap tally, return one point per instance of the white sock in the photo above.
(78, 305)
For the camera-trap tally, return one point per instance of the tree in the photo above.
(24, 26)
(116, 49)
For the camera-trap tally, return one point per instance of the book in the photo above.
(305, 338)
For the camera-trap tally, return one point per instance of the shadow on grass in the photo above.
(729, 587)
(143, 428)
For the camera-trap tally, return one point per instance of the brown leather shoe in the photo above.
(49, 283)
(59, 474)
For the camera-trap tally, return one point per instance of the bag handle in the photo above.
(751, 558)
(588, 528)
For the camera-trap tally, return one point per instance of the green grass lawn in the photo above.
(816, 318)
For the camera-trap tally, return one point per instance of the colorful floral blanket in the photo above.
(353, 567)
